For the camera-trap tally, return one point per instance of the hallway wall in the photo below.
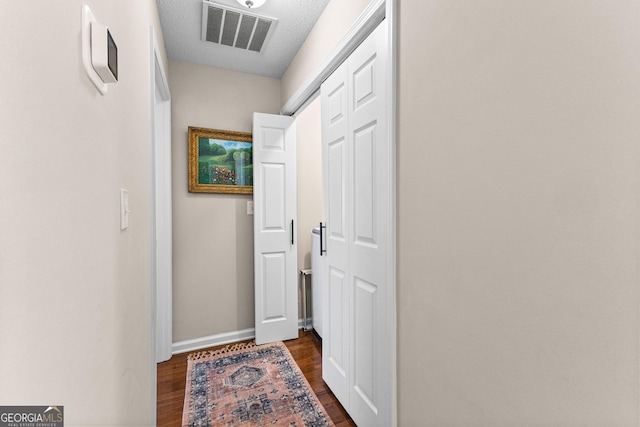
(518, 208)
(310, 185)
(75, 296)
(212, 233)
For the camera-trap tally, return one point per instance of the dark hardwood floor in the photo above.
(306, 350)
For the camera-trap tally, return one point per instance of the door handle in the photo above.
(292, 232)
(322, 251)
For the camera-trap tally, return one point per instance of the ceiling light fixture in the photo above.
(252, 4)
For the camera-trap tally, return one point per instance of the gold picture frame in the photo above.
(220, 161)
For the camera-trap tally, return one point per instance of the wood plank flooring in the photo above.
(307, 352)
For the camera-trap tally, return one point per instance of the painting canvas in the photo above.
(220, 161)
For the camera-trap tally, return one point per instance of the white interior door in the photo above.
(369, 154)
(357, 354)
(335, 128)
(275, 220)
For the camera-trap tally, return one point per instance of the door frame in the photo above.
(161, 218)
(374, 14)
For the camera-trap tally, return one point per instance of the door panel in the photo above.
(274, 286)
(369, 152)
(274, 190)
(275, 206)
(364, 171)
(357, 186)
(364, 81)
(338, 348)
(337, 190)
(364, 372)
(335, 345)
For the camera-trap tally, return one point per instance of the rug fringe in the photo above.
(228, 349)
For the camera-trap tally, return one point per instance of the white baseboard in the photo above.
(212, 340)
(219, 339)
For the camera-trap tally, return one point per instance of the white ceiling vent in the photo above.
(236, 28)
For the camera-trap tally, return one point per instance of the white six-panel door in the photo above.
(357, 361)
(275, 219)
(369, 153)
(335, 343)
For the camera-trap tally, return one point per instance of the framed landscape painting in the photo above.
(220, 161)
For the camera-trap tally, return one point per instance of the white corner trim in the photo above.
(391, 18)
(219, 339)
(161, 238)
(160, 69)
(364, 25)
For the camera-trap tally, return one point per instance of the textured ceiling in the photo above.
(182, 30)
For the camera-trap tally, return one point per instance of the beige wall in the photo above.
(310, 188)
(75, 290)
(518, 242)
(335, 21)
(212, 233)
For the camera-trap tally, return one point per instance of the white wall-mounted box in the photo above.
(104, 53)
(99, 52)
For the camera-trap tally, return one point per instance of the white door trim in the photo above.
(161, 218)
(364, 25)
(390, 16)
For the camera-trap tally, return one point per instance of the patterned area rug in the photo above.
(249, 385)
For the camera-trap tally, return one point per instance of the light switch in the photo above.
(250, 207)
(124, 209)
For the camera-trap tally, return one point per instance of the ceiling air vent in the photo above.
(236, 28)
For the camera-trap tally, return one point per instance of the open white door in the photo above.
(275, 220)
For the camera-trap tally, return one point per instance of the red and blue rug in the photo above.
(249, 385)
